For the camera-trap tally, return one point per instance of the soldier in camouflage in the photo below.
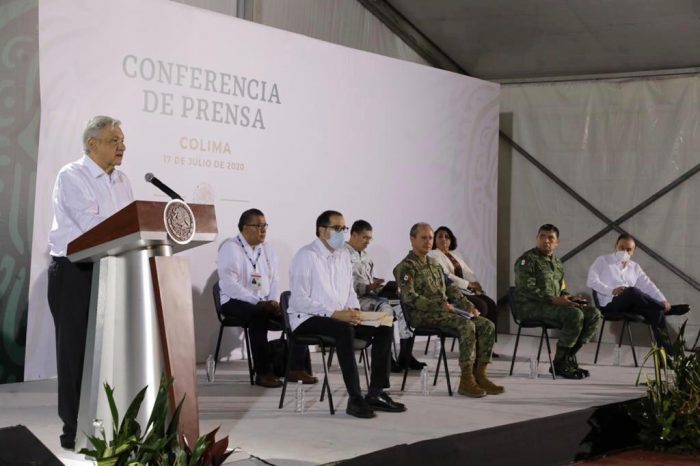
(430, 302)
(540, 293)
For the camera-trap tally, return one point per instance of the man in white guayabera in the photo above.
(87, 191)
(622, 286)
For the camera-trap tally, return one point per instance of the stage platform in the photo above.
(249, 414)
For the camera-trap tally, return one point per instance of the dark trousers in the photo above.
(257, 321)
(69, 302)
(344, 335)
(485, 305)
(634, 301)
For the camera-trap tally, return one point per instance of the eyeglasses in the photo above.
(338, 228)
(112, 142)
(260, 226)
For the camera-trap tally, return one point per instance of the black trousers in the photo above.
(257, 320)
(634, 301)
(69, 302)
(344, 335)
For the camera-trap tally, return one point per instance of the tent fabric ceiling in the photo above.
(525, 39)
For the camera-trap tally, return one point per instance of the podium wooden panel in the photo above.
(141, 321)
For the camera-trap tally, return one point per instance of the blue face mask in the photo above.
(336, 240)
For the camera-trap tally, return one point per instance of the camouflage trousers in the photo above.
(578, 324)
(372, 304)
(476, 336)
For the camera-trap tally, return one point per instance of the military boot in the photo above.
(562, 365)
(468, 385)
(483, 381)
(574, 362)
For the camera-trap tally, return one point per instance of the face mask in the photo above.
(622, 256)
(336, 240)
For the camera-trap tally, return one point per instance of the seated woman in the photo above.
(459, 272)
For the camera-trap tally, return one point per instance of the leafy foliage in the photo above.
(669, 416)
(159, 445)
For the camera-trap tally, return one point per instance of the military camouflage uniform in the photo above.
(538, 279)
(422, 288)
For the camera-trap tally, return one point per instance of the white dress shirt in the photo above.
(83, 196)
(320, 282)
(236, 263)
(449, 268)
(607, 273)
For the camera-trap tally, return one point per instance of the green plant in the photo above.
(159, 445)
(669, 416)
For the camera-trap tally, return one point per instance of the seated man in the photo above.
(249, 290)
(432, 303)
(540, 293)
(622, 286)
(324, 302)
(370, 290)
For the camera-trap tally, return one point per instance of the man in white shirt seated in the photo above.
(622, 286)
(373, 293)
(87, 191)
(323, 301)
(248, 280)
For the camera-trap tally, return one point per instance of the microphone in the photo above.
(162, 186)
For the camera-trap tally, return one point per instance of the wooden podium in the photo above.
(141, 322)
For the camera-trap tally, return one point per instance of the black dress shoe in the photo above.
(68, 442)
(678, 310)
(358, 407)
(415, 364)
(395, 366)
(384, 402)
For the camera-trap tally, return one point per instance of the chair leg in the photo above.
(447, 371)
(325, 381)
(452, 349)
(539, 350)
(405, 369)
(437, 368)
(515, 350)
(427, 343)
(251, 371)
(549, 353)
(634, 353)
(600, 338)
(290, 347)
(218, 347)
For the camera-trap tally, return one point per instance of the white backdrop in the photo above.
(376, 138)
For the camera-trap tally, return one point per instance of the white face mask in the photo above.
(622, 256)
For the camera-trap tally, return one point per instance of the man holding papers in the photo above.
(432, 303)
(323, 301)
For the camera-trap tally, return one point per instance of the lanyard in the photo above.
(257, 258)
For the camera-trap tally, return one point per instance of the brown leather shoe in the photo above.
(469, 387)
(483, 381)
(305, 377)
(268, 380)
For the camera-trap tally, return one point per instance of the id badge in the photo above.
(256, 280)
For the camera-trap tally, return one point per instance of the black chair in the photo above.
(627, 318)
(544, 324)
(439, 332)
(293, 340)
(232, 321)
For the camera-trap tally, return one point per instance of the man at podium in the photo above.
(87, 191)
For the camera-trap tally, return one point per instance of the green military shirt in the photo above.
(422, 285)
(538, 277)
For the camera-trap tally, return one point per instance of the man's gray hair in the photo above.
(414, 228)
(94, 126)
